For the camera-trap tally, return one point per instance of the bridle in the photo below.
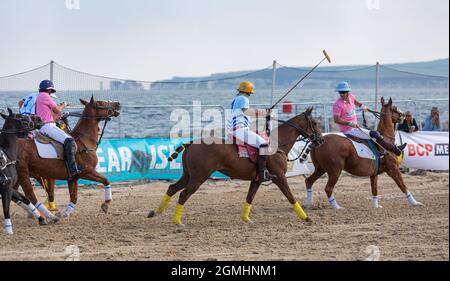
(378, 115)
(27, 125)
(314, 137)
(111, 112)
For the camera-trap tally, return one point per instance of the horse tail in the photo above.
(179, 149)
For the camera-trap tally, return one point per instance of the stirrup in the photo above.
(266, 176)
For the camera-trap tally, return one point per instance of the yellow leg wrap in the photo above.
(164, 203)
(178, 214)
(52, 206)
(47, 204)
(245, 215)
(300, 213)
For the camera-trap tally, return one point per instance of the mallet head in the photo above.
(327, 56)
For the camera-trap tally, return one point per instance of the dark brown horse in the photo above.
(337, 154)
(201, 160)
(86, 135)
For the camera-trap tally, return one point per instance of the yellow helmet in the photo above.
(246, 87)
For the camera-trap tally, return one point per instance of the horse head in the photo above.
(307, 126)
(100, 110)
(391, 112)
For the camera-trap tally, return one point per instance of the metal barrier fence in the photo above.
(142, 121)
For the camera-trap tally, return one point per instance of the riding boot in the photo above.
(397, 150)
(263, 173)
(70, 150)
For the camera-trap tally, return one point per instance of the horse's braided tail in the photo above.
(179, 149)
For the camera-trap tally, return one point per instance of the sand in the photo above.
(214, 230)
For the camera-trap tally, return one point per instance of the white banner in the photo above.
(425, 150)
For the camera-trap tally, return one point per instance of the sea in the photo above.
(155, 113)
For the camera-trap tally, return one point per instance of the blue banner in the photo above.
(123, 160)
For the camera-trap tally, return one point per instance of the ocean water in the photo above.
(148, 113)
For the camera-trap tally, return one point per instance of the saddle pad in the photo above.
(248, 151)
(363, 150)
(48, 151)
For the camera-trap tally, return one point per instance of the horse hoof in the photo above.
(55, 219)
(308, 219)
(151, 214)
(105, 208)
(42, 221)
(418, 204)
(180, 226)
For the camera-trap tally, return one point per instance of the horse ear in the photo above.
(382, 101)
(309, 110)
(10, 111)
(92, 99)
(83, 102)
(3, 115)
(390, 101)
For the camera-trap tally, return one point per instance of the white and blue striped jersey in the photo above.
(238, 118)
(29, 104)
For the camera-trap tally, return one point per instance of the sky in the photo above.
(152, 40)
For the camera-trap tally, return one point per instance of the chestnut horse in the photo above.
(201, 160)
(337, 153)
(86, 135)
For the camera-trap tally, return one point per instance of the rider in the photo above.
(48, 111)
(239, 127)
(345, 116)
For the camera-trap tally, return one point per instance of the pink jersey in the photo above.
(44, 107)
(346, 111)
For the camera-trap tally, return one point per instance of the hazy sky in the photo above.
(149, 39)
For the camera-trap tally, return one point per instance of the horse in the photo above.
(338, 154)
(15, 126)
(201, 160)
(86, 135)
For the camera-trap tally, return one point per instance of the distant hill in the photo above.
(418, 74)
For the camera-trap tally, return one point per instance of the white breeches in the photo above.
(359, 133)
(52, 131)
(249, 137)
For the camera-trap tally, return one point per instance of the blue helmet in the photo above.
(47, 85)
(343, 87)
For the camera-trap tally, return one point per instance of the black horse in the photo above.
(15, 126)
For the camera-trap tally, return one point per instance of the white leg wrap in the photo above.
(7, 226)
(69, 209)
(375, 202)
(108, 193)
(25, 207)
(333, 202)
(309, 197)
(44, 210)
(34, 211)
(411, 199)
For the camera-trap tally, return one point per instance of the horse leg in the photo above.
(25, 204)
(191, 188)
(309, 181)
(96, 176)
(283, 185)
(6, 193)
(171, 191)
(24, 181)
(245, 215)
(332, 180)
(374, 185)
(49, 187)
(396, 175)
(73, 191)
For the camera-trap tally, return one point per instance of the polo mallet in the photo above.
(327, 57)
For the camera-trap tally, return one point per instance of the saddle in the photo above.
(247, 151)
(369, 150)
(47, 147)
